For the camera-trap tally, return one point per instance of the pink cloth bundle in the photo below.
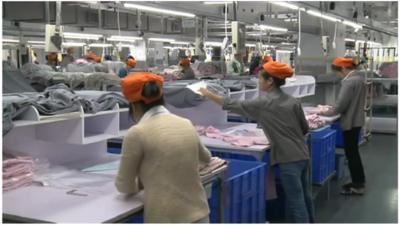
(314, 121)
(17, 172)
(213, 165)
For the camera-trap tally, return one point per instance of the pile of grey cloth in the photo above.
(57, 99)
(42, 76)
(178, 95)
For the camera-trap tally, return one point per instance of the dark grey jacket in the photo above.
(282, 120)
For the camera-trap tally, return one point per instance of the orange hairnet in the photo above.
(91, 56)
(131, 62)
(267, 59)
(132, 86)
(278, 70)
(184, 62)
(343, 62)
(52, 56)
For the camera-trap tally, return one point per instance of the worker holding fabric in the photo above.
(350, 105)
(164, 158)
(130, 66)
(283, 122)
(187, 72)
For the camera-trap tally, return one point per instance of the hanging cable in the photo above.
(334, 37)
(226, 19)
(119, 34)
(299, 38)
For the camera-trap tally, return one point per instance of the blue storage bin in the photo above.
(323, 147)
(114, 150)
(137, 219)
(339, 135)
(244, 199)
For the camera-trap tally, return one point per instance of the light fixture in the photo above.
(36, 42)
(352, 24)
(287, 5)
(287, 43)
(158, 10)
(284, 51)
(267, 27)
(180, 42)
(37, 46)
(213, 44)
(161, 39)
(124, 45)
(10, 40)
(319, 14)
(82, 36)
(73, 44)
(217, 2)
(268, 46)
(124, 38)
(250, 45)
(254, 34)
(349, 39)
(100, 45)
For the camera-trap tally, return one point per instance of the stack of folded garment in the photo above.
(214, 164)
(17, 172)
(314, 121)
(320, 109)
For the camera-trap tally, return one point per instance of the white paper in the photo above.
(196, 87)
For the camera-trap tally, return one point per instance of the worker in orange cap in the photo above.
(164, 158)
(187, 72)
(52, 60)
(350, 105)
(130, 65)
(283, 122)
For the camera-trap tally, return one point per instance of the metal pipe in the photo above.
(47, 4)
(58, 14)
(234, 11)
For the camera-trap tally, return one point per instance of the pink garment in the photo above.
(213, 165)
(17, 172)
(320, 109)
(314, 121)
(242, 138)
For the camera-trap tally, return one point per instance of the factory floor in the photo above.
(379, 203)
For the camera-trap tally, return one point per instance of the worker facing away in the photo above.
(235, 67)
(92, 57)
(164, 158)
(129, 67)
(283, 122)
(350, 105)
(187, 72)
(68, 58)
(52, 60)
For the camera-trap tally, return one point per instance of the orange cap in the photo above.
(343, 62)
(267, 59)
(131, 62)
(91, 56)
(98, 59)
(184, 62)
(278, 70)
(132, 86)
(52, 56)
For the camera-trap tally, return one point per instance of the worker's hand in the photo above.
(204, 92)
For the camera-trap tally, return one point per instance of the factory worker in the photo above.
(93, 58)
(235, 67)
(164, 151)
(52, 60)
(283, 122)
(187, 72)
(129, 67)
(350, 105)
(68, 58)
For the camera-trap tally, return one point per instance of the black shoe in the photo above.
(348, 185)
(353, 191)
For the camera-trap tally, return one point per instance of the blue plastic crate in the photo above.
(323, 146)
(114, 150)
(244, 199)
(339, 135)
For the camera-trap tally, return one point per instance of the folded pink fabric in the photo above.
(17, 172)
(241, 138)
(314, 121)
(17, 182)
(213, 165)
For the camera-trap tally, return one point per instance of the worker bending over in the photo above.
(187, 72)
(129, 67)
(164, 151)
(283, 122)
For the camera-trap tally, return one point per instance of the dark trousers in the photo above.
(353, 156)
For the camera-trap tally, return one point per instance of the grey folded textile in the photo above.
(13, 106)
(233, 85)
(103, 81)
(113, 66)
(30, 69)
(15, 82)
(84, 68)
(95, 101)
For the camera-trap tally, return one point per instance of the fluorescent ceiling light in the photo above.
(250, 45)
(161, 39)
(354, 25)
(37, 46)
(287, 43)
(287, 5)
(213, 43)
(124, 45)
(217, 2)
(10, 40)
(36, 42)
(349, 39)
(124, 38)
(82, 36)
(284, 51)
(158, 10)
(319, 14)
(73, 44)
(180, 42)
(100, 45)
(267, 27)
(255, 34)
